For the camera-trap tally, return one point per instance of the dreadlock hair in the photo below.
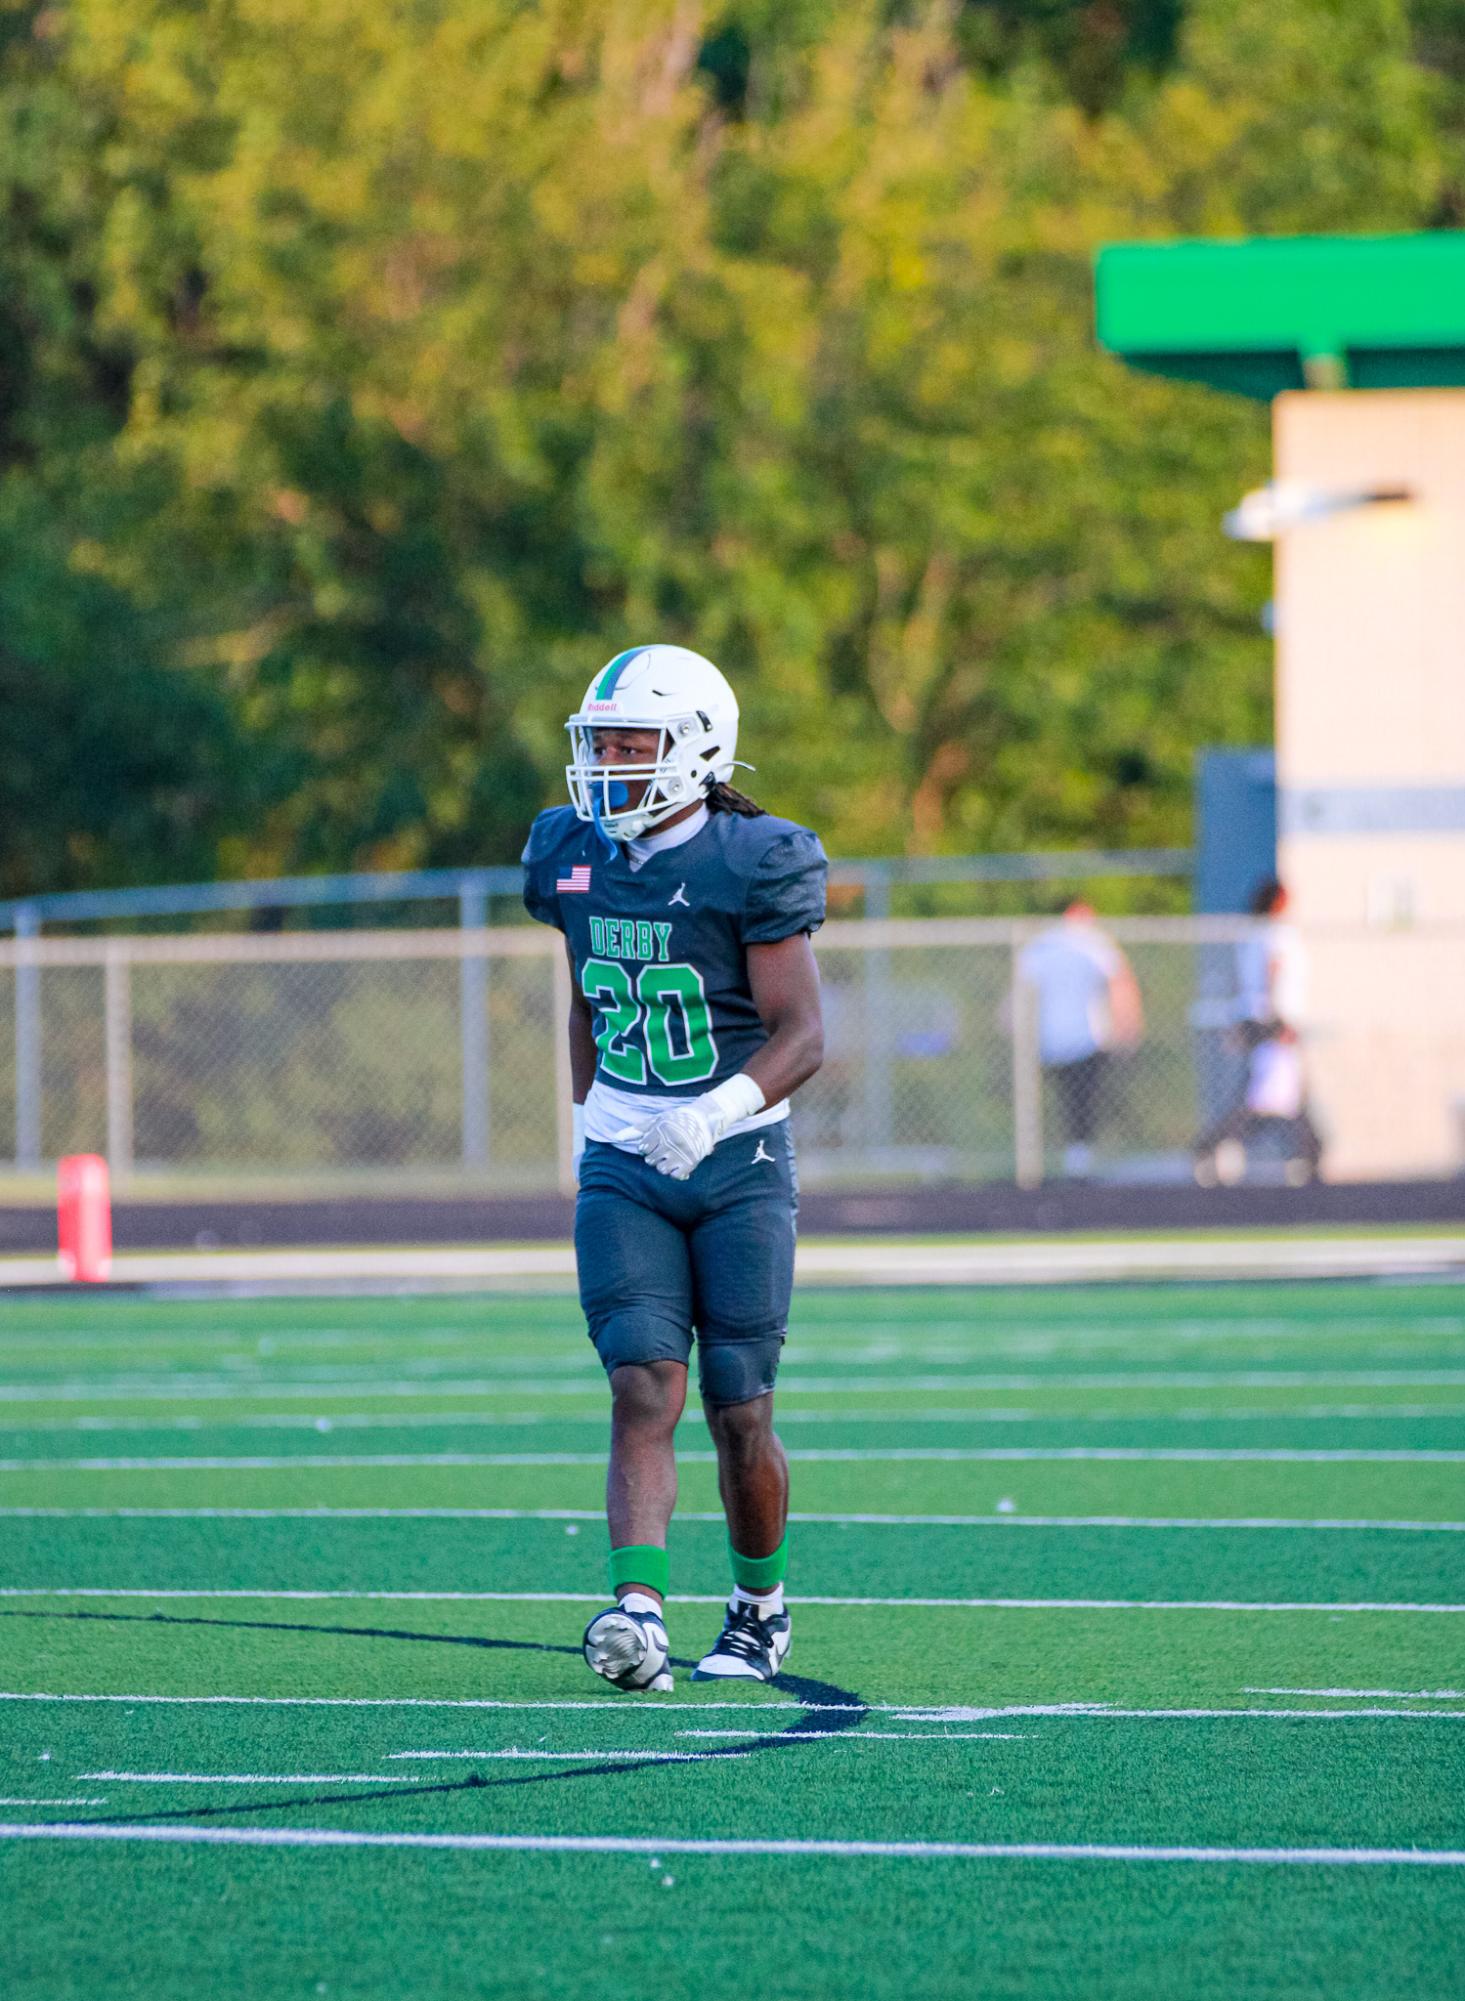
(724, 798)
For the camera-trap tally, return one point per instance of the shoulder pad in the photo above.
(549, 836)
(549, 833)
(786, 883)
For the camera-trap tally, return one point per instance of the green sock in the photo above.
(640, 1563)
(759, 1574)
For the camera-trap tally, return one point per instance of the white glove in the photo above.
(681, 1139)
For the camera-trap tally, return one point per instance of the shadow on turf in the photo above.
(830, 1711)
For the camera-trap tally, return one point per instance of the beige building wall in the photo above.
(1371, 768)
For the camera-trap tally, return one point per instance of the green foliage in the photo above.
(113, 768)
(367, 376)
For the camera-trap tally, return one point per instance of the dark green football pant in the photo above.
(660, 1260)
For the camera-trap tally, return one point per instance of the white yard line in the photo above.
(327, 1514)
(327, 1422)
(596, 1757)
(250, 1778)
(1165, 1379)
(1279, 1455)
(255, 1388)
(608, 1844)
(858, 1320)
(547, 1331)
(719, 1598)
(181, 1336)
(579, 1757)
(652, 1706)
(656, 1705)
(252, 1385)
(987, 1521)
(846, 1455)
(257, 1385)
(714, 1517)
(315, 1461)
(1102, 1711)
(1107, 1522)
(1008, 1414)
(335, 1421)
(1389, 1694)
(871, 1736)
(507, 1420)
(761, 1736)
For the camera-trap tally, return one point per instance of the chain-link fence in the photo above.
(402, 1059)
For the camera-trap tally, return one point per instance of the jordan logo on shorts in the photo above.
(680, 897)
(763, 1154)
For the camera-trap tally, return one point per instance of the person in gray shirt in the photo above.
(1088, 1007)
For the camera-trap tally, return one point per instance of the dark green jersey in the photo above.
(661, 951)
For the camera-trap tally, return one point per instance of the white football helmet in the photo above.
(664, 688)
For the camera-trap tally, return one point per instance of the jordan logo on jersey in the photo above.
(680, 897)
(763, 1154)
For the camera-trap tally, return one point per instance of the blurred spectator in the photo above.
(1271, 1006)
(1089, 1007)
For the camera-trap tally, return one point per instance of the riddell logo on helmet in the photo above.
(602, 705)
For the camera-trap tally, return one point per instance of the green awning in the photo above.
(1261, 316)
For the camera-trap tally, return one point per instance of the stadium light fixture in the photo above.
(1269, 511)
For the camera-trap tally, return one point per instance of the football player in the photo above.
(687, 912)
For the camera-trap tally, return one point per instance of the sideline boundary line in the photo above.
(1434, 1253)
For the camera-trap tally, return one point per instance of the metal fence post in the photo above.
(879, 1079)
(27, 1044)
(117, 1014)
(473, 1030)
(1027, 1076)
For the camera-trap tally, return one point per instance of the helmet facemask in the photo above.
(688, 760)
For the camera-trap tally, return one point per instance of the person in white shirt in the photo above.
(1271, 1008)
(1088, 1006)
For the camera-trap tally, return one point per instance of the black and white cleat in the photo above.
(629, 1649)
(748, 1648)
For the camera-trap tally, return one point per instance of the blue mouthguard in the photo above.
(616, 795)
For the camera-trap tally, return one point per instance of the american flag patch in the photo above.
(576, 883)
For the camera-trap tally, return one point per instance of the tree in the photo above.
(371, 376)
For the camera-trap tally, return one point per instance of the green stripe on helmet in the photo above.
(612, 674)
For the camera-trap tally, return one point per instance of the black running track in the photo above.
(921, 1211)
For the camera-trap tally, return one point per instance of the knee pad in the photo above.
(731, 1372)
(634, 1335)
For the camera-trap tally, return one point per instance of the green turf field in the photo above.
(1129, 1655)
